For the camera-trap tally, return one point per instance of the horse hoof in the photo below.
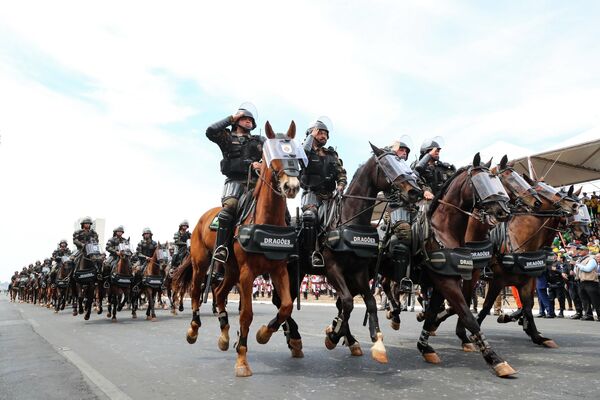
(551, 344)
(421, 317)
(223, 342)
(134, 316)
(100, 311)
(432, 358)
(174, 312)
(191, 336)
(263, 335)
(86, 317)
(243, 371)
(395, 325)
(148, 318)
(503, 370)
(378, 351)
(181, 308)
(355, 350)
(296, 348)
(329, 344)
(388, 314)
(108, 315)
(153, 319)
(55, 311)
(469, 347)
(432, 333)
(113, 320)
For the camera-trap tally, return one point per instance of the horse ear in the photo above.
(291, 133)
(489, 163)
(503, 162)
(269, 130)
(570, 192)
(578, 192)
(528, 179)
(376, 150)
(477, 160)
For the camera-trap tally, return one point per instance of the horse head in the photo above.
(396, 173)
(282, 155)
(521, 193)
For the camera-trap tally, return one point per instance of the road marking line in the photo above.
(110, 389)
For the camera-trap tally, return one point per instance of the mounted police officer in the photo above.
(37, 267)
(112, 246)
(61, 250)
(180, 240)
(323, 177)
(431, 171)
(146, 247)
(242, 153)
(83, 236)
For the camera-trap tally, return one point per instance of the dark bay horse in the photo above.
(472, 193)
(348, 272)
(278, 180)
(120, 280)
(63, 274)
(84, 277)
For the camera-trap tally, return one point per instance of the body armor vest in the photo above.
(147, 248)
(241, 151)
(321, 173)
(436, 175)
(181, 240)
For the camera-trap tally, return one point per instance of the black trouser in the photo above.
(574, 292)
(590, 295)
(554, 293)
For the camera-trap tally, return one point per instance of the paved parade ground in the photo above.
(46, 356)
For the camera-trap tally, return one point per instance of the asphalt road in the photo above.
(43, 355)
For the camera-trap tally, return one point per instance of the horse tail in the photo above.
(182, 278)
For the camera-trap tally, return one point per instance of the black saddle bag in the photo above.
(452, 262)
(85, 277)
(363, 241)
(481, 253)
(531, 263)
(121, 280)
(152, 281)
(272, 241)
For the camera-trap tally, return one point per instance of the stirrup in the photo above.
(217, 256)
(316, 259)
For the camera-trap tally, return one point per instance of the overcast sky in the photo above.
(103, 108)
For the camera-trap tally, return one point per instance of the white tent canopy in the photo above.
(565, 166)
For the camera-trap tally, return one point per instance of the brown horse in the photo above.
(472, 193)
(120, 281)
(527, 232)
(84, 277)
(277, 181)
(63, 274)
(152, 281)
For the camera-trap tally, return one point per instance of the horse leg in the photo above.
(345, 304)
(461, 332)
(281, 282)
(242, 369)
(154, 294)
(394, 313)
(198, 275)
(526, 294)
(494, 288)
(220, 298)
(455, 298)
(430, 312)
(89, 297)
(290, 327)
(378, 351)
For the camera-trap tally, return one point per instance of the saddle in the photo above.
(362, 241)
(274, 242)
(245, 206)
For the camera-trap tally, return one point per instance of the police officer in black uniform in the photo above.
(324, 175)
(431, 171)
(112, 246)
(61, 250)
(83, 236)
(180, 240)
(242, 153)
(146, 247)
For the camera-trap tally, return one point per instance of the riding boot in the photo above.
(309, 222)
(222, 244)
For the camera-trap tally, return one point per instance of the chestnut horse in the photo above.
(462, 198)
(277, 181)
(152, 280)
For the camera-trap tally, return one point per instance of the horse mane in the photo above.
(443, 189)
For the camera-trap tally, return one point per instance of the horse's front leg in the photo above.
(431, 314)
(378, 351)
(394, 313)
(281, 283)
(220, 294)
(526, 294)
(242, 369)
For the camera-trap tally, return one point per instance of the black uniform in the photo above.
(432, 176)
(181, 243)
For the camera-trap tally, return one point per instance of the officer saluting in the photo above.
(242, 153)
